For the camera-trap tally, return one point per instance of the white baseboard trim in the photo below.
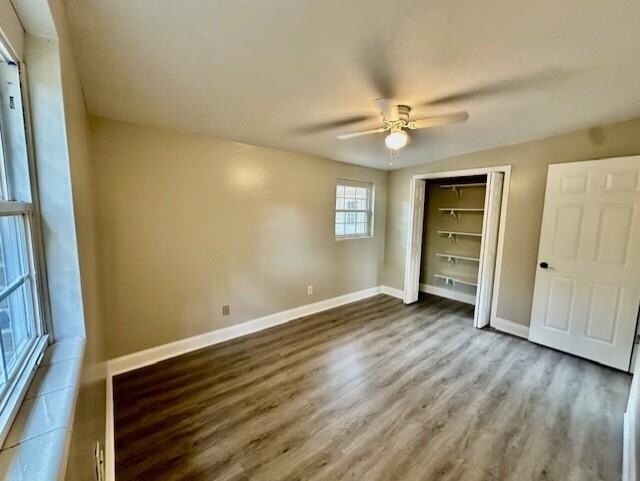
(156, 354)
(392, 291)
(110, 448)
(510, 327)
(153, 355)
(628, 458)
(631, 431)
(147, 357)
(448, 293)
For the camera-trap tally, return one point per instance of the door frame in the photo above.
(412, 263)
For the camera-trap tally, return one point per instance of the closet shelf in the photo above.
(454, 234)
(453, 279)
(459, 209)
(456, 211)
(457, 188)
(462, 186)
(453, 257)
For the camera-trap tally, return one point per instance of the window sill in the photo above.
(36, 446)
(339, 239)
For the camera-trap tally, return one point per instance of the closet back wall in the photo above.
(434, 243)
(189, 223)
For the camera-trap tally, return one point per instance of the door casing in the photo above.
(413, 256)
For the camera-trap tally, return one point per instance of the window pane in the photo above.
(16, 321)
(339, 217)
(12, 250)
(361, 193)
(339, 229)
(16, 316)
(340, 191)
(361, 228)
(350, 229)
(362, 217)
(351, 204)
(350, 191)
(339, 203)
(361, 204)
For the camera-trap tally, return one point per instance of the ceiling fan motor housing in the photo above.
(395, 120)
(403, 112)
(396, 125)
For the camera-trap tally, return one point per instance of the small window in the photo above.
(354, 209)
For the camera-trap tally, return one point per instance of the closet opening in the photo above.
(456, 232)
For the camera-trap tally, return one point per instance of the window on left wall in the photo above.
(22, 330)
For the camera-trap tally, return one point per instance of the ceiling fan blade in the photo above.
(388, 108)
(436, 120)
(359, 134)
(535, 80)
(376, 62)
(333, 124)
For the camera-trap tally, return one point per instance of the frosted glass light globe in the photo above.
(396, 140)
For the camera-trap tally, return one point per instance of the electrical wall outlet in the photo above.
(309, 290)
(226, 310)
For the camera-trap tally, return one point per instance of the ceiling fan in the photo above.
(396, 120)
(376, 61)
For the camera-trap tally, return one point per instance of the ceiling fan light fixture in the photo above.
(396, 140)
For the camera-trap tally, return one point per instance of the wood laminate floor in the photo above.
(374, 391)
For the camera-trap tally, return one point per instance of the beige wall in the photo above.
(189, 223)
(10, 28)
(529, 169)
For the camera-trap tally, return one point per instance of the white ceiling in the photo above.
(255, 71)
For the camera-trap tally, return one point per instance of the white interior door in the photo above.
(488, 249)
(414, 242)
(587, 289)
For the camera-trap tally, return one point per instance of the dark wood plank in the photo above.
(373, 390)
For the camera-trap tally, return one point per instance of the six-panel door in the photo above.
(587, 289)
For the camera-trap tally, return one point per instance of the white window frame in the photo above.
(18, 381)
(371, 187)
